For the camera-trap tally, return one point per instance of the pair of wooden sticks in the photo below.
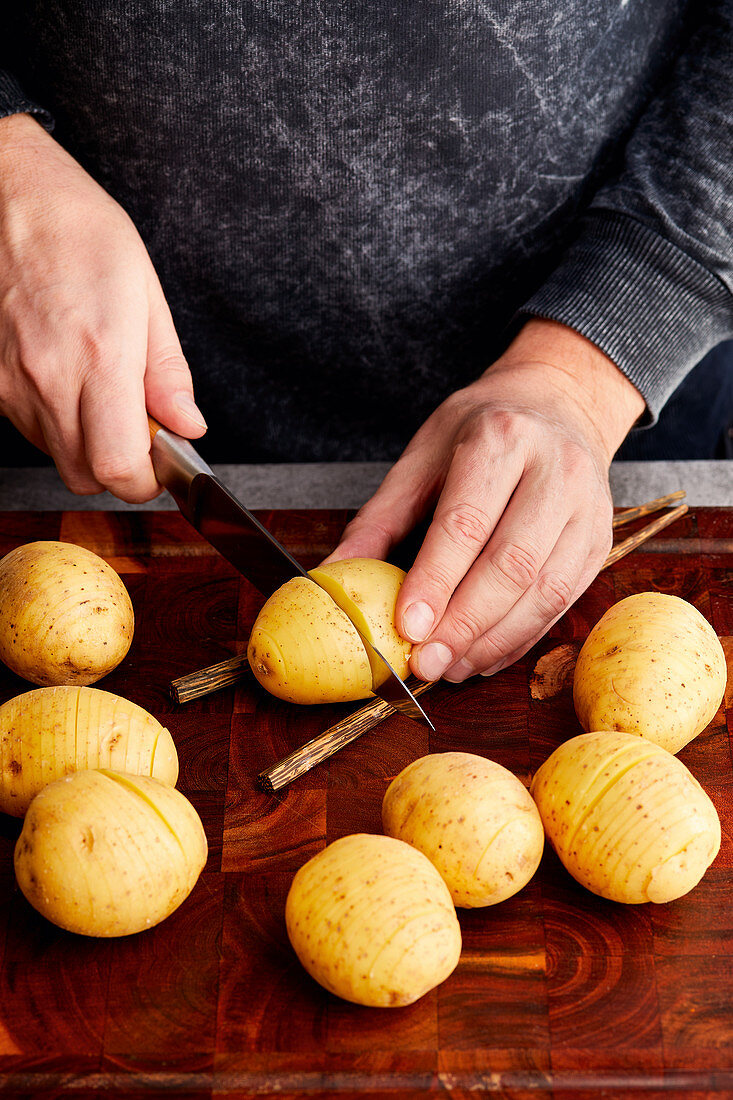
(301, 760)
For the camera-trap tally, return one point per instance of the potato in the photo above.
(49, 732)
(102, 853)
(304, 648)
(367, 590)
(626, 817)
(652, 666)
(372, 921)
(473, 819)
(65, 615)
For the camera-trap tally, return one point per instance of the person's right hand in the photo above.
(87, 342)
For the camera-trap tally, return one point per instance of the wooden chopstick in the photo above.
(301, 760)
(656, 505)
(331, 740)
(206, 680)
(631, 543)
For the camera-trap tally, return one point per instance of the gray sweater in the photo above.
(351, 203)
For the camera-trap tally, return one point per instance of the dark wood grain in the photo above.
(558, 993)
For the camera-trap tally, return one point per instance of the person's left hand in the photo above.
(516, 465)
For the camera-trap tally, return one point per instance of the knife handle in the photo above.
(175, 461)
(154, 427)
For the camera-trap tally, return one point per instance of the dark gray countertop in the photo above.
(349, 484)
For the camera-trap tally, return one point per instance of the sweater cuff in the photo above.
(652, 309)
(14, 101)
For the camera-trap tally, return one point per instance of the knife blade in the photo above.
(246, 543)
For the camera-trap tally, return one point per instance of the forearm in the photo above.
(649, 275)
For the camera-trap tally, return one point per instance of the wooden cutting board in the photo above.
(558, 993)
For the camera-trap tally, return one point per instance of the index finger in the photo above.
(477, 489)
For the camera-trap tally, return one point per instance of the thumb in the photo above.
(168, 383)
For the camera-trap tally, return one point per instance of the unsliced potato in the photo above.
(304, 648)
(653, 666)
(372, 921)
(102, 853)
(65, 615)
(473, 819)
(49, 732)
(626, 817)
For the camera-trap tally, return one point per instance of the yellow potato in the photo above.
(473, 819)
(652, 666)
(372, 921)
(102, 853)
(367, 590)
(304, 648)
(626, 817)
(65, 615)
(49, 732)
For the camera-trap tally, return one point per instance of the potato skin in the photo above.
(304, 647)
(473, 819)
(652, 666)
(65, 615)
(102, 853)
(52, 731)
(367, 590)
(372, 921)
(626, 817)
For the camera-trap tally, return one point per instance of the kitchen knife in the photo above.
(240, 537)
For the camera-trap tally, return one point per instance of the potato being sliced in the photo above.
(304, 648)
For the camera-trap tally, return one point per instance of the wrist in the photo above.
(21, 139)
(574, 370)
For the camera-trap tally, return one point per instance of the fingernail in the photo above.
(189, 408)
(494, 668)
(418, 620)
(433, 659)
(460, 671)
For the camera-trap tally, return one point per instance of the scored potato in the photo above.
(102, 853)
(652, 666)
(49, 732)
(65, 615)
(367, 590)
(372, 921)
(304, 648)
(626, 817)
(473, 819)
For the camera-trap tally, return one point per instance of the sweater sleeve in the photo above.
(14, 101)
(649, 275)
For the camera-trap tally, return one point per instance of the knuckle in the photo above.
(172, 363)
(81, 485)
(466, 525)
(490, 649)
(553, 593)
(464, 624)
(434, 579)
(115, 469)
(517, 564)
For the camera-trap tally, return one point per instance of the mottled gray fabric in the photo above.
(350, 204)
